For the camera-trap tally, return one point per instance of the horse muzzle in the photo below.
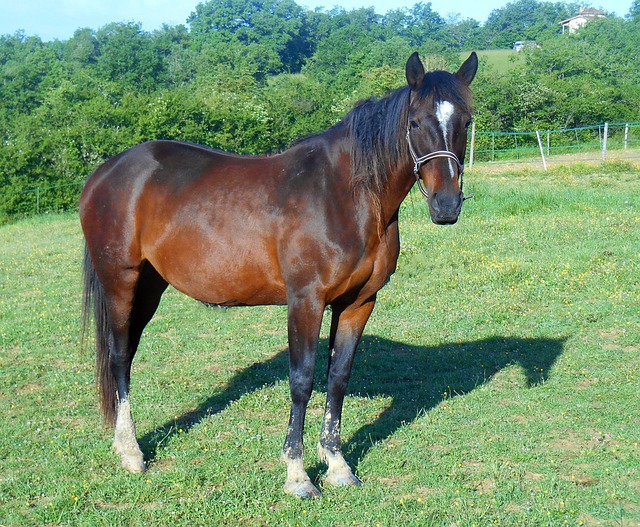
(445, 209)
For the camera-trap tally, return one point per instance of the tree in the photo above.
(340, 55)
(277, 26)
(526, 20)
(464, 33)
(82, 48)
(418, 25)
(27, 68)
(126, 54)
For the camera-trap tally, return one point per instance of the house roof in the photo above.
(587, 13)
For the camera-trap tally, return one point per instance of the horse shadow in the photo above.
(415, 378)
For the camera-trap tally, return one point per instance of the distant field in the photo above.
(501, 60)
(497, 382)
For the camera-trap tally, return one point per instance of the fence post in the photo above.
(473, 143)
(604, 141)
(626, 135)
(37, 200)
(544, 161)
(548, 143)
(493, 146)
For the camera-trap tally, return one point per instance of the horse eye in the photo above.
(414, 124)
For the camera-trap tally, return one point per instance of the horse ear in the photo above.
(414, 71)
(469, 68)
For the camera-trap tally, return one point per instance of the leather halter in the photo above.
(421, 160)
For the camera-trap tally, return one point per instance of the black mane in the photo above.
(377, 129)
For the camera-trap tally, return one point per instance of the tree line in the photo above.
(252, 76)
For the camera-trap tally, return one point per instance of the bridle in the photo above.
(418, 161)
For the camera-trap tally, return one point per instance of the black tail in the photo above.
(94, 296)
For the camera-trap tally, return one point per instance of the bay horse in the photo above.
(311, 227)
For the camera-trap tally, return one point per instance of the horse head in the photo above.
(439, 115)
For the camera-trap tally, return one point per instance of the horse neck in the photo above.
(382, 203)
(386, 199)
(399, 183)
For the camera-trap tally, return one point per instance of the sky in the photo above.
(58, 19)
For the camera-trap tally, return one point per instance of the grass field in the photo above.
(498, 382)
(500, 60)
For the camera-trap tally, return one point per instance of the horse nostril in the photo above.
(446, 204)
(435, 203)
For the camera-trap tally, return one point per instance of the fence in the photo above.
(507, 146)
(39, 199)
(48, 201)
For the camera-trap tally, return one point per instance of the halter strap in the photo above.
(419, 161)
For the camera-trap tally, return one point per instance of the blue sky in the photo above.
(51, 19)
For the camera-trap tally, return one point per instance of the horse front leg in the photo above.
(346, 329)
(304, 322)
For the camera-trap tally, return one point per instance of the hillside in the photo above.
(500, 60)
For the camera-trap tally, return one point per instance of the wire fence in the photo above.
(54, 198)
(598, 141)
(41, 199)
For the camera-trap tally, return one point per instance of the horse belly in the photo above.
(219, 269)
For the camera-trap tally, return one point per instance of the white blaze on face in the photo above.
(444, 111)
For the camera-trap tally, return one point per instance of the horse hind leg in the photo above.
(113, 371)
(121, 356)
(125, 443)
(148, 293)
(128, 304)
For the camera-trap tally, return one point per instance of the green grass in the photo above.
(501, 60)
(497, 383)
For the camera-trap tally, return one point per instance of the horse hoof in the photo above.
(342, 478)
(304, 490)
(133, 464)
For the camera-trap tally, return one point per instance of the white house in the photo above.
(584, 15)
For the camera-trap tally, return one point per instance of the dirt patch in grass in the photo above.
(485, 486)
(570, 444)
(534, 476)
(30, 387)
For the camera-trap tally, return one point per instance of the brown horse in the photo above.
(314, 226)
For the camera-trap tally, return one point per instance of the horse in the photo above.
(312, 227)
